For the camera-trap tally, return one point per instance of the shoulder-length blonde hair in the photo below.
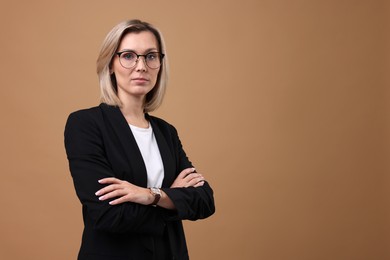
(107, 81)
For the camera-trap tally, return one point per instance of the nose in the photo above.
(141, 64)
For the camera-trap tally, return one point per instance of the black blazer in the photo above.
(99, 143)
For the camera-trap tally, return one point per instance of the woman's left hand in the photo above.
(123, 191)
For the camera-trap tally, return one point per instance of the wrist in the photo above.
(155, 195)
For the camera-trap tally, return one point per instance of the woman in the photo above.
(130, 172)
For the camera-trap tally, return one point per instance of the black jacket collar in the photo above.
(120, 127)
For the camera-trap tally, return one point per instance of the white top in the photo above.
(147, 144)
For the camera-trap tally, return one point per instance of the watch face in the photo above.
(157, 195)
(156, 191)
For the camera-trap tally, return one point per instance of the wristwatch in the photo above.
(156, 192)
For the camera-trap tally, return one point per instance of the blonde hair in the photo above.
(107, 82)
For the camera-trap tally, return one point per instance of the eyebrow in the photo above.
(146, 51)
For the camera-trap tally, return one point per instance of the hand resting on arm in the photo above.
(123, 191)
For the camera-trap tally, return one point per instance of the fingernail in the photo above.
(101, 198)
(97, 193)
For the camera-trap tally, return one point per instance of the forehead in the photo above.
(139, 41)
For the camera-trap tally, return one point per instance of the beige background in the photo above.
(283, 105)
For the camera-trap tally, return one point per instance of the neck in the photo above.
(134, 113)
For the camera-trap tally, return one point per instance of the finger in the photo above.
(199, 184)
(109, 180)
(192, 176)
(113, 194)
(108, 189)
(118, 201)
(185, 172)
(195, 181)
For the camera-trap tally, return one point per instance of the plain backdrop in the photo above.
(282, 105)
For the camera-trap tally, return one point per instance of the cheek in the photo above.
(116, 67)
(120, 72)
(155, 76)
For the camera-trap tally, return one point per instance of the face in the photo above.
(137, 81)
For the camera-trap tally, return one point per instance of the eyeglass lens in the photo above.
(129, 59)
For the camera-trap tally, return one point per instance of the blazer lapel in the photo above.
(120, 127)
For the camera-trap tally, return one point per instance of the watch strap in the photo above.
(156, 192)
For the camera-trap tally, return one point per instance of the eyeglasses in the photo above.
(128, 59)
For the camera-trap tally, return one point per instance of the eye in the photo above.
(152, 56)
(129, 56)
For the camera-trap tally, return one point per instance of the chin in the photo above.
(137, 90)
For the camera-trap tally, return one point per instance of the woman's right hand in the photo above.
(188, 178)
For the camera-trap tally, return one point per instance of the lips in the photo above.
(140, 79)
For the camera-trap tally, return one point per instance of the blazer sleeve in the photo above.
(191, 203)
(88, 163)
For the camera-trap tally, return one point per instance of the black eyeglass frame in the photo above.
(161, 55)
